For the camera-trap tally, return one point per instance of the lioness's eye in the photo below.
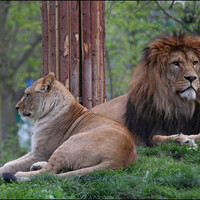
(175, 63)
(26, 95)
(195, 62)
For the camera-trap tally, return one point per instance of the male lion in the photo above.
(67, 135)
(163, 100)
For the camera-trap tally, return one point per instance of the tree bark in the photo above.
(79, 26)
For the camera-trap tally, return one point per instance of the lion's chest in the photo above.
(146, 127)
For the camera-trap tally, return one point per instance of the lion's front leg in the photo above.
(21, 164)
(179, 138)
(196, 138)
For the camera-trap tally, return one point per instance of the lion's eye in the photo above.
(194, 62)
(176, 63)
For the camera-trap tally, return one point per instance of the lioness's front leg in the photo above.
(38, 165)
(21, 164)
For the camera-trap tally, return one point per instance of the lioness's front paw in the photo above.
(21, 176)
(38, 166)
(18, 174)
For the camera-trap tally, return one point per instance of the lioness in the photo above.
(164, 96)
(67, 135)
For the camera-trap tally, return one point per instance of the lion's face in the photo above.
(183, 71)
(170, 66)
(34, 102)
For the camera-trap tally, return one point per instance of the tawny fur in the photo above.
(67, 135)
(159, 106)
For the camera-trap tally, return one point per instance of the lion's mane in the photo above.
(152, 108)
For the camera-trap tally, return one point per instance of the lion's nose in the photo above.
(190, 78)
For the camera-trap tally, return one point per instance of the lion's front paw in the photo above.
(196, 138)
(185, 139)
(38, 166)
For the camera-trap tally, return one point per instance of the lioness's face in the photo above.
(26, 106)
(29, 103)
(183, 71)
(34, 101)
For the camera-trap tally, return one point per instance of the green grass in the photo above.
(165, 171)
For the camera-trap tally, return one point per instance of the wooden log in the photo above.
(101, 54)
(73, 47)
(86, 55)
(45, 38)
(52, 33)
(104, 52)
(75, 50)
(57, 30)
(64, 43)
(95, 51)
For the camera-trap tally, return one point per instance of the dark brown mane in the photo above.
(152, 108)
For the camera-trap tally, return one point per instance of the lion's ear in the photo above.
(47, 83)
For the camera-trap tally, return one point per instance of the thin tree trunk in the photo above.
(8, 130)
(8, 116)
(1, 131)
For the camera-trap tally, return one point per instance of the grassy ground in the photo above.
(166, 171)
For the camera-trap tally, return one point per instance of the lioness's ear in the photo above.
(47, 82)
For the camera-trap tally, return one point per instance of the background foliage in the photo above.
(20, 60)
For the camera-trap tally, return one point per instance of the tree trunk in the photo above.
(7, 96)
(1, 131)
(8, 114)
(8, 129)
(8, 70)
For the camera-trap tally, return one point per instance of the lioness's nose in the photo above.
(190, 78)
